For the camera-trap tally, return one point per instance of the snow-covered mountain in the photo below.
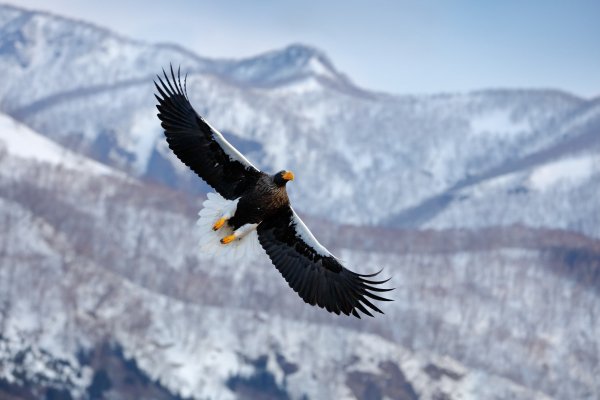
(360, 157)
(539, 189)
(539, 196)
(102, 291)
(143, 304)
(115, 288)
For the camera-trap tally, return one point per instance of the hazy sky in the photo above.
(394, 46)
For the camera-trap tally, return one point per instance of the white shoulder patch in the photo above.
(228, 148)
(306, 235)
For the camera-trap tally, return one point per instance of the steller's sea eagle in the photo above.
(254, 205)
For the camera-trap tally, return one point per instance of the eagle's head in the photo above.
(283, 177)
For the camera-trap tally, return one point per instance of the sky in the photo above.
(408, 47)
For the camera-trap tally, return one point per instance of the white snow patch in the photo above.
(317, 67)
(144, 132)
(498, 121)
(574, 170)
(20, 141)
(301, 86)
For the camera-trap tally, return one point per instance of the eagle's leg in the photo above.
(220, 222)
(228, 212)
(239, 233)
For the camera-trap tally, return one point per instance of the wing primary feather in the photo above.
(327, 294)
(311, 271)
(314, 289)
(168, 109)
(286, 269)
(176, 97)
(169, 81)
(375, 297)
(185, 86)
(380, 290)
(369, 275)
(179, 80)
(160, 96)
(182, 88)
(175, 82)
(160, 90)
(362, 309)
(370, 305)
(359, 295)
(165, 87)
(378, 298)
(178, 105)
(196, 143)
(174, 118)
(375, 282)
(303, 286)
(345, 305)
(294, 274)
(322, 292)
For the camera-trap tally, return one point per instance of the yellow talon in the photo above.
(228, 239)
(219, 224)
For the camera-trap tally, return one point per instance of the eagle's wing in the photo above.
(200, 146)
(312, 271)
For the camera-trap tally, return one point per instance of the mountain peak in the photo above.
(28, 33)
(294, 62)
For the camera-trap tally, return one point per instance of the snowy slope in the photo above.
(553, 187)
(360, 157)
(112, 264)
(19, 141)
(543, 195)
(61, 227)
(105, 259)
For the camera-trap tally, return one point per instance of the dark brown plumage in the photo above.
(310, 270)
(195, 143)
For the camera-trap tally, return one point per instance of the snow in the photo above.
(317, 67)
(20, 141)
(298, 87)
(572, 170)
(144, 133)
(499, 122)
(398, 149)
(194, 344)
(542, 196)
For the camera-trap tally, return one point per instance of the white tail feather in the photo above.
(215, 207)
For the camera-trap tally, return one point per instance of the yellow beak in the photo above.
(288, 176)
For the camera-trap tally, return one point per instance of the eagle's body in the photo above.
(252, 206)
(259, 202)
